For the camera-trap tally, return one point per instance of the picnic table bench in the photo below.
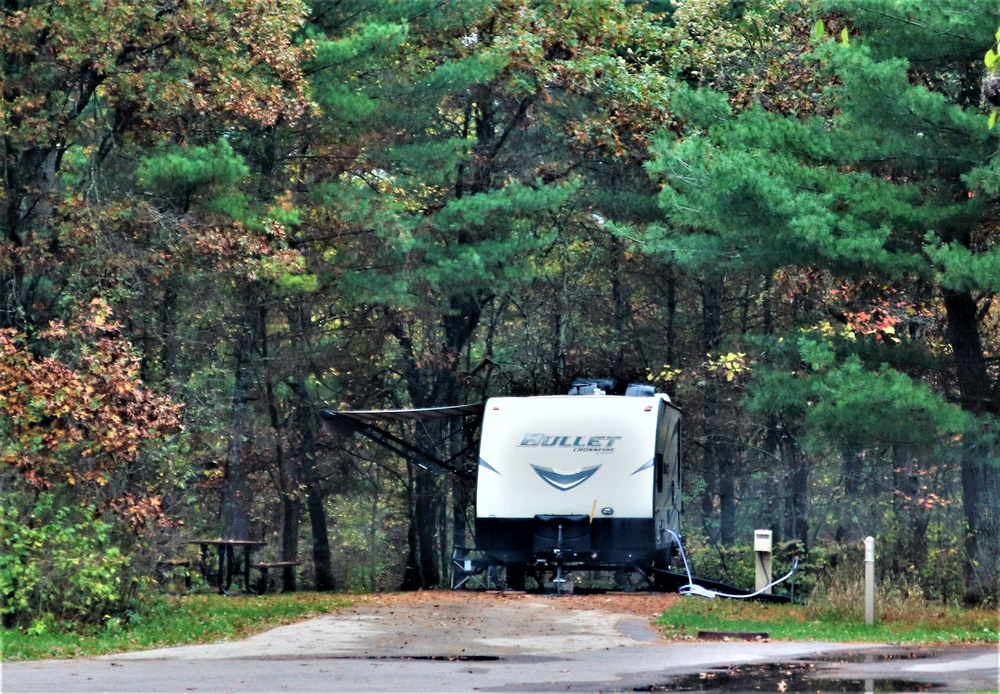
(168, 567)
(227, 565)
(221, 561)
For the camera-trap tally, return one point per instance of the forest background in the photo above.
(221, 216)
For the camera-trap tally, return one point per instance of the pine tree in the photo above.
(892, 187)
(480, 126)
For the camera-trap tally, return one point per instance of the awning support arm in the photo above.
(412, 454)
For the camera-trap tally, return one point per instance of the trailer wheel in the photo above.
(632, 578)
(663, 579)
(515, 576)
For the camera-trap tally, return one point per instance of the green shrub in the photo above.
(735, 565)
(59, 564)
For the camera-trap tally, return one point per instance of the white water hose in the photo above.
(694, 589)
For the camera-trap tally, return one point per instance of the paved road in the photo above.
(532, 644)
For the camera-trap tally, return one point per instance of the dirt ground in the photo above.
(637, 604)
(457, 624)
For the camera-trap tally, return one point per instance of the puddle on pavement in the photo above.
(452, 658)
(788, 677)
(366, 656)
(851, 657)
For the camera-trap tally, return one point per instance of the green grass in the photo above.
(913, 623)
(199, 618)
(204, 618)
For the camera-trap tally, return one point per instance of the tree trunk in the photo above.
(910, 551)
(322, 557)
(315, 494)
(718, 449)
(290, 519)
(980, 471)
(727, 505)
(422, 563)
(412, 578)
(622, 309)
(852, 476)
(557, 362)
(670, 329)
(797, 506)
(287, 481)
(981, 492)
(169, 344)
(235, 493)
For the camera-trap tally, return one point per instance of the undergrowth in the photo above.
(835, 612)
(173, 621)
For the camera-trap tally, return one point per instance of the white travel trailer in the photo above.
(581, 481)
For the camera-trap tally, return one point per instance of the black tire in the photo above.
(516, 576)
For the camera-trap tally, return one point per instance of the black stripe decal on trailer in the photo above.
(565, 481)
(645, 466)
(483, 463)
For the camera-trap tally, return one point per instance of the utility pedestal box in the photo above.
(762, 563)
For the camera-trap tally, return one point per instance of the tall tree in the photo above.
(483, 125)
(895, 182)
(73, 88)
(84, 98)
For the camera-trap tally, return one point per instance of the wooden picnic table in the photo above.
(226, 564)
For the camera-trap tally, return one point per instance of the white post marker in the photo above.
(762, 564)
(869, 580)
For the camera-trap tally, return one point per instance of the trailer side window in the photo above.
(661, 460)
(668, 455)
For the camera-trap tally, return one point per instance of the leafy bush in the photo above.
(83, 471)
(59, 564)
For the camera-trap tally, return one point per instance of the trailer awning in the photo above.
(371, 425)
(414, 415)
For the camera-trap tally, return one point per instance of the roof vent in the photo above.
(640, 390)
(591, 386)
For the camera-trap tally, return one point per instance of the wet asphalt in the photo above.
(529, 646)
